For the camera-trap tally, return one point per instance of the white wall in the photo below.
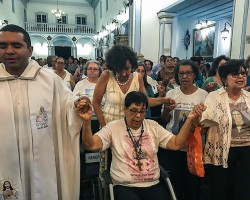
(247, 47)
(150, 27)
(180, 26)
(71, 11)
(113, 9)
(6, 12)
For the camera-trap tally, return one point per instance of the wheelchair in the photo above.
(90, 172)
(164, 175)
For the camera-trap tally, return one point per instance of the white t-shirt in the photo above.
(86, 88)
(124, 167)
(185, 104)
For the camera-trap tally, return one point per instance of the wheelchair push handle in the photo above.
(107, 177)
(164, 173)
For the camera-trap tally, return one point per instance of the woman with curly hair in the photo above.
(116, 82)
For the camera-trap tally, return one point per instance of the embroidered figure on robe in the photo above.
(42, 119)
(8, 191)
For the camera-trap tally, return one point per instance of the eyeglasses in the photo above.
(237, 74)
(188, 73)
(140, 71)
(60, 63)
(135, 112)
(93, 69)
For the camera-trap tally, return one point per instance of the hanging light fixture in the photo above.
(120, 15)
(198, 25)
(225, 31)
(57, 12)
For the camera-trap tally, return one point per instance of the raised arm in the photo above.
(90, 142)
(166, 111)
(165, 115)
(99, 92)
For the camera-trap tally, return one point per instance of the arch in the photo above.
(37, 34)
(40, 45)
(85, 36)
(85, 47)
(68, 40)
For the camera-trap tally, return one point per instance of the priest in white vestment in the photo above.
(39, 126)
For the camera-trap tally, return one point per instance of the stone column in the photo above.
(74, 51)
(135, 25)
(104, 50)
(166, 22)
(49, 50)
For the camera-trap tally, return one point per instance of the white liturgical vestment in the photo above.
(39, 131)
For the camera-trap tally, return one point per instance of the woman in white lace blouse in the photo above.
(227, 147)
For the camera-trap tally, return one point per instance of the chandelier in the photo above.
(57, 12)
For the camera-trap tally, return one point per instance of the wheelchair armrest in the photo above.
(164, 173)
(107, 177)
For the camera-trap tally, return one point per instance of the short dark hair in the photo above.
(215, 64)
(177, 58)
(163, 57)
(137, 98)
(117, 56)
(151, 63)
(231, 66)
(197, 59)
(186, 62)
(17, 29)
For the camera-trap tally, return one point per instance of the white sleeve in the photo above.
(106, 136)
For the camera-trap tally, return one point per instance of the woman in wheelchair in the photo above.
(134, 143)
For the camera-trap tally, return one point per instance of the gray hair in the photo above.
(96, 62)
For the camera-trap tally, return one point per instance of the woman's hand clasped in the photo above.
(84, 108)
(169, 104)
(196, 113)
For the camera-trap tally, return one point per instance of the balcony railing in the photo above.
(59, 28)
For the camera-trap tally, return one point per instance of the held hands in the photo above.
(169, 104)
(196, 113)
(84, 108)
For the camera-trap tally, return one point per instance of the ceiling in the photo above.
(211, 10)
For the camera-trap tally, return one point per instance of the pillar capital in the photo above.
(165, 17)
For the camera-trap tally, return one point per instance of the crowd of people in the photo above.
(46, 104)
